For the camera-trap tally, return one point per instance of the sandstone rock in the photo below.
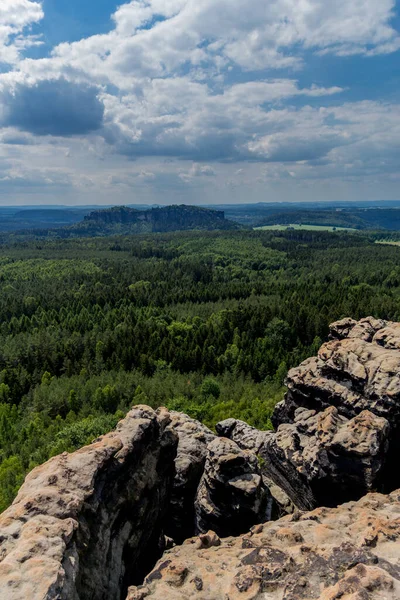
(358, 370)
(326, 459)
(249, 438)
(231, 496)
(321, 458)
(208, 540)
(348, 553)
(87, 524)
(189, 466)
(365, 329)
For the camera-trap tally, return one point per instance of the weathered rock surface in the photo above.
(359, 369)
(231, 496)
(86, 525)
(348, 553)
(321, 458)
(189, 466)
(250, 438)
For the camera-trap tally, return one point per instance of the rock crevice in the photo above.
(88, 525)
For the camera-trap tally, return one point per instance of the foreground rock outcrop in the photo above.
(358, 370)
(348, 553)
(321, 458)
(86, 525)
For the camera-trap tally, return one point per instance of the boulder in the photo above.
(189, 466)
(88, 524)
(351, 552)
(321, 458)
(231, 496)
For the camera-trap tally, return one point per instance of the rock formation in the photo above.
(249, 438)
(231, 496)
(321, 458)
(359, 369)
(348, 553)
(189, 466)
(86, 525)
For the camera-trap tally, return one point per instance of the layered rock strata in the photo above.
(86, 525)
(348, 553)
(320, 458)
(359, 369)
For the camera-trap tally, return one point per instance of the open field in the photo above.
(305, 227)
(388, 242)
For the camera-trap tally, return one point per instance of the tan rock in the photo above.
(321, 458)
(83, 522)
(231, 496)
(323, 555)
(194, 439)
(357, 371)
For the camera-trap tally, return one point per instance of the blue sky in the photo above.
(199, 101)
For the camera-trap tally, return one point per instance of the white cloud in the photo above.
(165, 75)
(15, 17)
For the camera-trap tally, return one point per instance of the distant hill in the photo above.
(125, 220)
(357, 218)
(40, 218)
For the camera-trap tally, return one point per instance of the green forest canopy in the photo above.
(203, 322)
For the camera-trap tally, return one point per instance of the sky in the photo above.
(199, 101)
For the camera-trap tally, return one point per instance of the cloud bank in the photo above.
(199, 97)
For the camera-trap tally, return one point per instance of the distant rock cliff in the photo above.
(87, 525)
(122, 219)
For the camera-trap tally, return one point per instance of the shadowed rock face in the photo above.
(358, 370)
(189, 466)
(348, 553)
(321, 458)
(250, 438)
(231, 496)
(86, 525)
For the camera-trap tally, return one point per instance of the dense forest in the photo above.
(116, 220)
(204, 322)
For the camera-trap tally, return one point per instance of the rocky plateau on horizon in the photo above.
(163, 508)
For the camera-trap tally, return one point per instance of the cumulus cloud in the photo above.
(184, 119)
(15, 17)
(197, 81)
(155, 38)
(58, 108)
